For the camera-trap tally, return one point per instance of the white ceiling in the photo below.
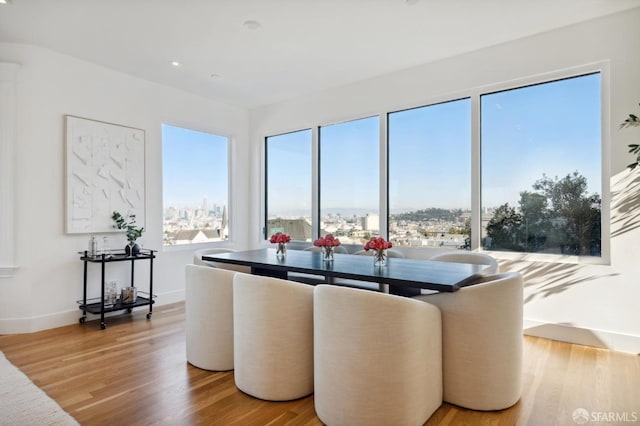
(302, 45)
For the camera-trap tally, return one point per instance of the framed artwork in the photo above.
(104, 173)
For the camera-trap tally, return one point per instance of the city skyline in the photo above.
(188, 172)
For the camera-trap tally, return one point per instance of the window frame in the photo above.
(601, 68)
(387, 152)
(230, 189)
(265, 179)
(382, 170)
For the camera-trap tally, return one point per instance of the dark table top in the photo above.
(414, 273)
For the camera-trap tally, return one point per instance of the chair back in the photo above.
(273, 341)
(390, 253)
(337, 249)
(469, 257)
(197, 260)
(377, 358)
(209, 317)
(482, 342)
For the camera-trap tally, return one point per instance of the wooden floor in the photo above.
(135, 372)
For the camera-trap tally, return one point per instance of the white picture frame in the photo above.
(105, 172)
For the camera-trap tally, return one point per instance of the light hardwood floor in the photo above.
(135, 372)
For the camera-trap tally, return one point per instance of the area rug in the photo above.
(24, 404)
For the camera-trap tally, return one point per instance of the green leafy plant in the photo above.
(634, 148)
(128, 223)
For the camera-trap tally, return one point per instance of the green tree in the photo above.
(503, 228)
(576, 213)
(534, 221)
(559, 216)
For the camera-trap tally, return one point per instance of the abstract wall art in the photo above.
(105, 173)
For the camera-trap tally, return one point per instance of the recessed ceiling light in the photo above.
(4, 1)
(251, 25)
(214, 75)
(175, 63)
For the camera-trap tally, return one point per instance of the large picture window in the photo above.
(288, 185)
(350, 180)
(541, 168)
(509, 169)
(195, 186)
(430, 175)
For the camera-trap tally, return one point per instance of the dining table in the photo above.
(406, 277)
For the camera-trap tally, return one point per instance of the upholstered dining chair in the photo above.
(469, 257)
(377, 358)
(482, 342)
(337, 249)
(273, 337)
(209, 317)
(197, 260)
(466, 257)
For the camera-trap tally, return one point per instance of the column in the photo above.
(8, 79)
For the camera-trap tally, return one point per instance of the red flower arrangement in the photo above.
(327, 241)
(377, 243)
(279, 238)
(379, 247)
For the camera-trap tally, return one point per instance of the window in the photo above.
(195, 186)
(541, 168)
(350, 180)
(288, 185)
(430, 175)
(520, 166)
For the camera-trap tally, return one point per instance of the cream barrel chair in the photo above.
(197, 260)
(209, 317)
(469, 257)
(273, 341)
(482, 342)
(466, 257)
(377, 358)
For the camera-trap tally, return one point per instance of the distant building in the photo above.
(297, 229)
(371, 222)
(191, 236)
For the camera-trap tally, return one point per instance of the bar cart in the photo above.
(98, 306)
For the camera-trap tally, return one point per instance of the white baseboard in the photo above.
(583, 336)
(59, 319)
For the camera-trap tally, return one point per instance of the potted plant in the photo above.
(128, 223)
(633, 121)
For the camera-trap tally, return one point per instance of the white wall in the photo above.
(590, 304)
(48, 281)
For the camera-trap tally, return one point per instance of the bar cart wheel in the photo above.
(149, 315)
(129, 311)
(103, 326)
(82, 320)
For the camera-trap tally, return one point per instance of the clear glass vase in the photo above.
(379, 257)
(327, 254)
(281, 249)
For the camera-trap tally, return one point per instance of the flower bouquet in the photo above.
(328, 242)
(379, 246)
(281, 240)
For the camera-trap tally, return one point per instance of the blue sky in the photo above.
(194, 166)
(551, 129)
(430, 157)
